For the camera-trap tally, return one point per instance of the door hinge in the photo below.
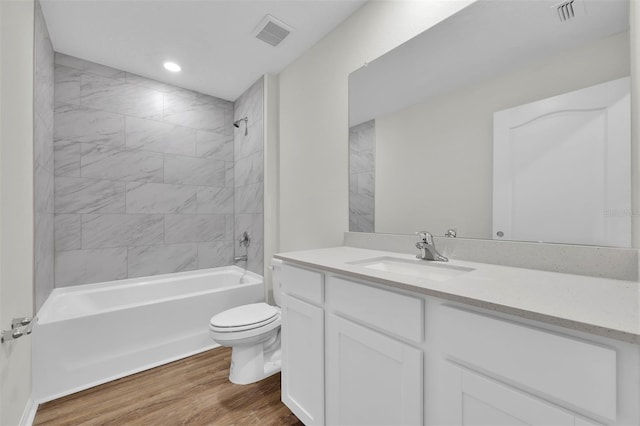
(19, 327)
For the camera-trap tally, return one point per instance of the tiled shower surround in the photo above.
(249, 174)
(144, 176)
(362, 150)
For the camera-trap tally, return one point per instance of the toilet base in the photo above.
(252, 363)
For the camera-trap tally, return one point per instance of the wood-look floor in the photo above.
(192, 391)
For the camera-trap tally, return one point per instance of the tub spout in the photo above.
(242, 258)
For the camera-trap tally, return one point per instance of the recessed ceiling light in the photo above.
(172, 66)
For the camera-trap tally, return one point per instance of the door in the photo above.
(303, 359)
(475, 400)
(372, 379)
(562, 168)
(16, 202)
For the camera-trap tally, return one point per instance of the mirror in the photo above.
(421, 116)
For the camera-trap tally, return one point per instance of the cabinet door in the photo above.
(371, 378)
(303, 360)
(478, 400)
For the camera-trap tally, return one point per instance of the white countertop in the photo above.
(601, 306)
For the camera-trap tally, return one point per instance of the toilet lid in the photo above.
(244, 317)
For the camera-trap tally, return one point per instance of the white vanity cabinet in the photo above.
(359, 352)
(303, 344)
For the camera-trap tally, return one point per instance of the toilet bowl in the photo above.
(253, 334)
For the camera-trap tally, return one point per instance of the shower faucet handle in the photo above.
(245, 240)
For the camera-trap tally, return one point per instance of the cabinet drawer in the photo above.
(303, 283)
(396, 313)
(573, 372)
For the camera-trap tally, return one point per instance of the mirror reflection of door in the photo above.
(562, 168)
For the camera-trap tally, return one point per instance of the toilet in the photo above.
(253, 334)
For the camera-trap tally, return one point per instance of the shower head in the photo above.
(236, 124)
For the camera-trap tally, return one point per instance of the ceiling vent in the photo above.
(570, 9)
(272, 30)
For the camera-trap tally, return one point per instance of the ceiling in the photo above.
(484, 40)
(213, 40)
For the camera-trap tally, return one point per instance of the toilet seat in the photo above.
(246, 317)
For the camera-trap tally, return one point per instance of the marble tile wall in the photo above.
(362, 149)
(144, 176)
(249, 175)
(43, 159)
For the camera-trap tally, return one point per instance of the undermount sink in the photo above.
(435, 271)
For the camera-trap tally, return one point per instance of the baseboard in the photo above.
(29, 414)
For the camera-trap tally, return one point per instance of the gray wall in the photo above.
(43, 159)
(362, 156)
(144, 176)
(249, 174)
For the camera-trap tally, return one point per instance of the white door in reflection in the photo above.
(562, 168)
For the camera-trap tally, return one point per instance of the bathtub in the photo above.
(91, 334)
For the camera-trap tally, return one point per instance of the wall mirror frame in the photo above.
(421, 116)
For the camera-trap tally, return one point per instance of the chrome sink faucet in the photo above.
(427, 248)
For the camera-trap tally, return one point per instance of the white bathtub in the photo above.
(91, 334)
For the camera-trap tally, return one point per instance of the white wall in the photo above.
(434, 160)
(16, 200)
(314, 116)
